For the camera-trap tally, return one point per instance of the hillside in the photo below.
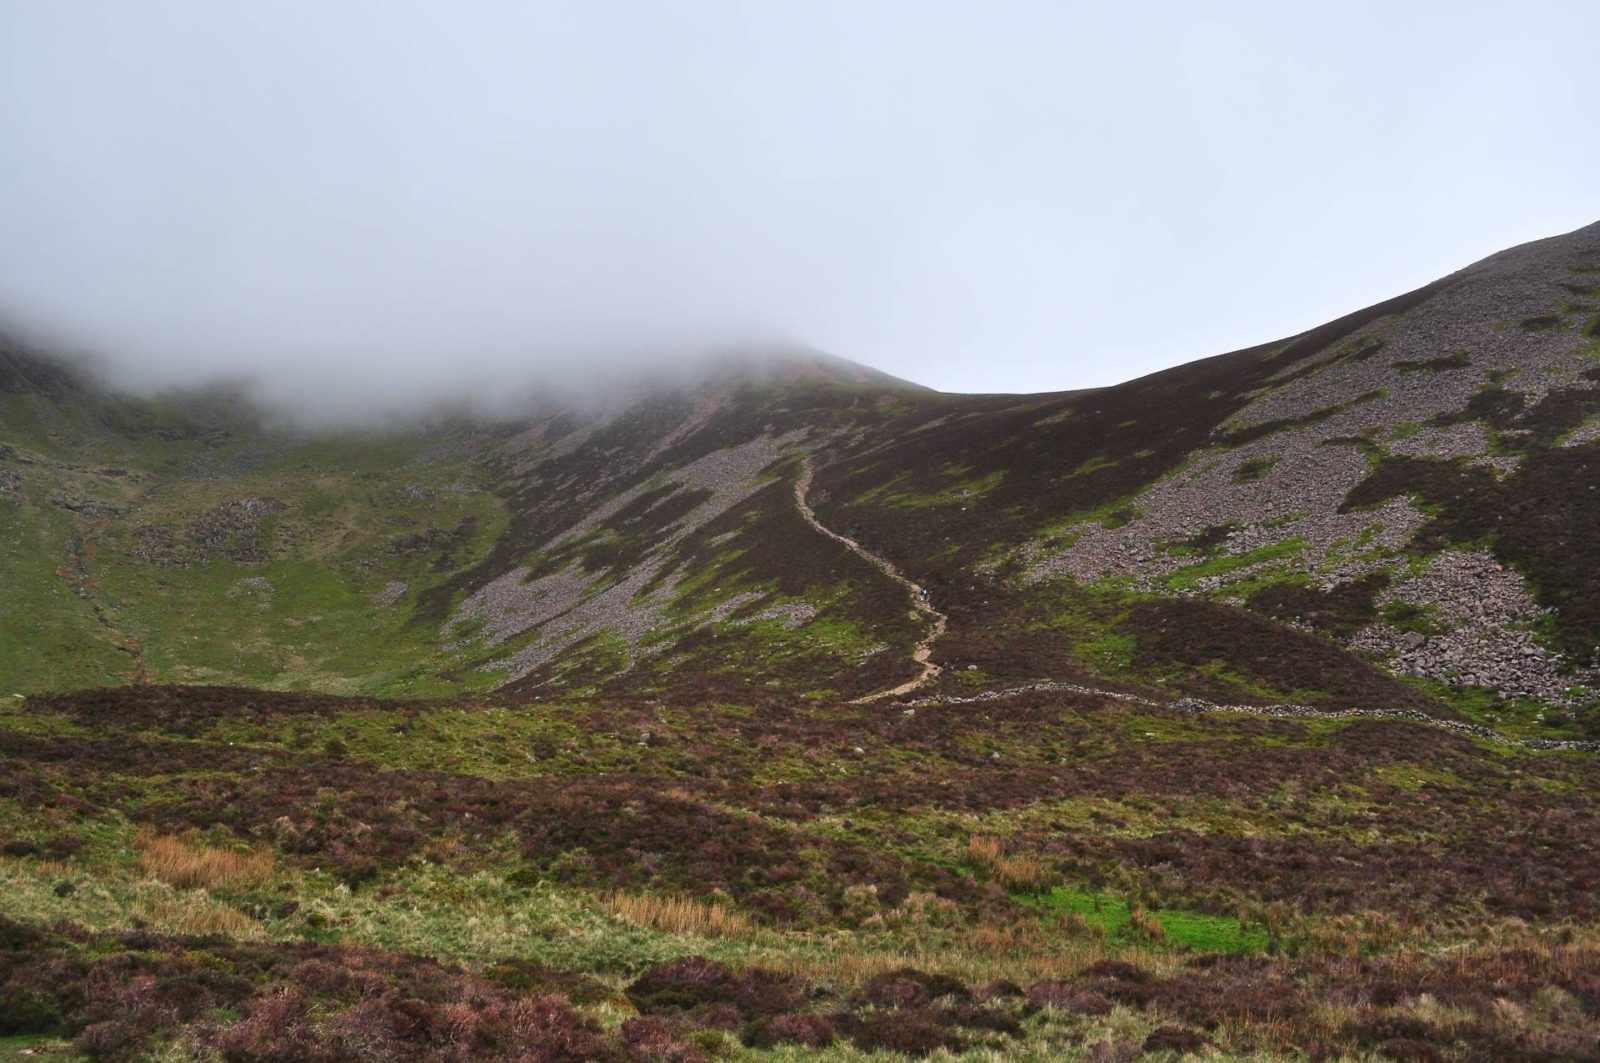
(1251, 707)
(1309, 520)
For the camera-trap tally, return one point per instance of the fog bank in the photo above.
(372, 202)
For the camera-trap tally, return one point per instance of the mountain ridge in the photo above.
(557, 549)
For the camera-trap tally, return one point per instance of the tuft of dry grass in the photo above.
(188, 866)
(1145, 923)
(676, 915)
(203, 919)
(982, 954)
(1014, 871)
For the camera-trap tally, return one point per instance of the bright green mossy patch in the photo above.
(1518, 717)
(836, 634)
(1184, 929)
(1090, 620)
(1188, 578)
(1108, 652)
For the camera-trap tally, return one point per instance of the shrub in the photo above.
(115, 1041)
(890, 991)
(525, 976)
(975, 1017)
(1064, 996)
(14, 936)
(26, 1010)
(1000, 988)
(714, 1019)
(695, 983)
(20, 847)
(681, 984)
(1118, 1051)
(800, 1028)
(63, 846)
(1410, 1050)
(545, 1028)
(1175, 1039)
(913, 1031)
(277, 1030)
(650, 1040)
(908, 987)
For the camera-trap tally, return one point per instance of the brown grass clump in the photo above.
(676, 915)
(1147, 924)
(202, 919)
(1012, 870)
(188, 866)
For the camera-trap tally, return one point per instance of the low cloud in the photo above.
(373, 204)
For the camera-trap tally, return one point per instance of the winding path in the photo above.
(923, 652)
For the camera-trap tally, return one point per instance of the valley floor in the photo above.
(1041, 873)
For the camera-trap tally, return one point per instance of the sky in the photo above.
(386, 197)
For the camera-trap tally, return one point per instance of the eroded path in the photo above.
(923, 653)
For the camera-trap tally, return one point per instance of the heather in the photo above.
(240, 875)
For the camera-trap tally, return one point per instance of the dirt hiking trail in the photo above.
(923, 652)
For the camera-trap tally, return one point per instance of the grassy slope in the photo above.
(288, 606)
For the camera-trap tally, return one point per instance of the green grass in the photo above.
(1108, 652)
(35, 1046)
(1184, 929)
(85, 607)
(1189, 578)
(49, 636)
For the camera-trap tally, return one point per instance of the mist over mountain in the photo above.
(389, 201)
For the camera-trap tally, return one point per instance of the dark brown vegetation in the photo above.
(1509, 834)
(119, 995)
(1182, 634)
(191, 711)
(1338, 612)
